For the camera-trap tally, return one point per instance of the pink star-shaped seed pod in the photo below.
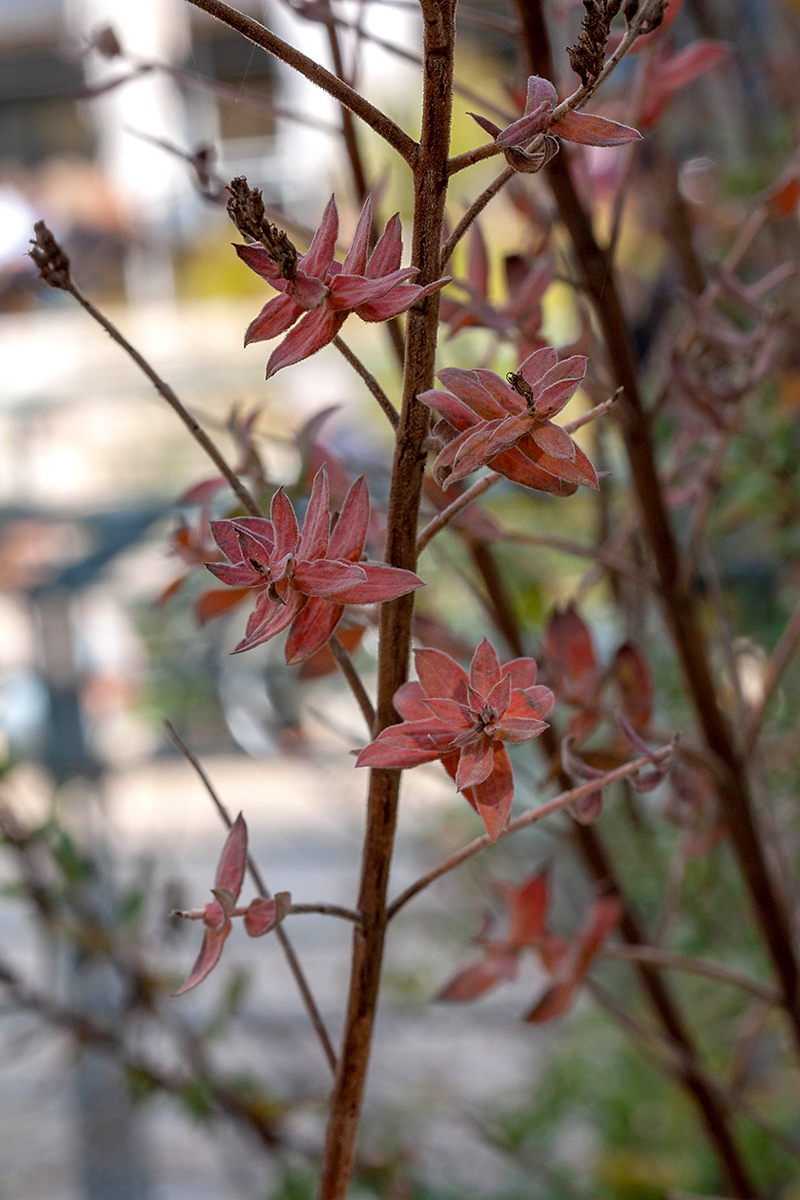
(305, 579)
(324, 292)
(464, 720)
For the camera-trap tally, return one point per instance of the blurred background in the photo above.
(119, 125)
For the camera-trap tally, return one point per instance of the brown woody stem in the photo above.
(430, 186)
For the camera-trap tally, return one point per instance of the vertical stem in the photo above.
(679, 602)
(430, 186)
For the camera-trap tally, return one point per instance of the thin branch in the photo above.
(405, 146)
(327, 910)
(470, 157)
(697, 966)
(447, 514)
(777, 664)
(164, 390)
(475, 209)
(563, 800)
(370, 380)
(345, 665)
(263, 890)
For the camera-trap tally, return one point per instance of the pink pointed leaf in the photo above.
(527, 127)
(478, 262)
(475, 763)
(484, 670)
(456, 715)
(320, 253)
(350, 531)
(409, 701)
(527, 909)
(486, 125)
(539, 91)
(388, 251)
(326, 577)
(312, 629)
(284, 524)
(538, 364)
(440, 675)
(382, 583)
(351, 291)
(313, 331)
(256, 258)
(498, 965)
(313, 541)
(274, 318)
(591, 130)
(233, 859)
(356, 258)
(554, 440)
(207, 959)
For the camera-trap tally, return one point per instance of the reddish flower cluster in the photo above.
(464, 721)
(567, 963)
(260, 915)
(507, 426)
(324, 292)
(538, 118)
(305, 578)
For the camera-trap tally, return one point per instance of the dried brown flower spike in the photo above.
(246, 210)
(50, 259)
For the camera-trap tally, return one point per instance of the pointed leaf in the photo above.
(498, 965)
(313, 541)
(312, 629)
(284, 525)
(475, 763)
(320, 253)
(478, 261)
(539, 91)
(538, 364)
(274, 318)
(207, 959)
(484, 670)
(554, 440)
(215, 603)
(313, 331)
(260, 916)
(591, 130)
(350, 531)
(382, 583)
(326, 577)
(233, 859)
(441, 675)
(356, 259)
(486, 125)
(351, 291)
(388, 251)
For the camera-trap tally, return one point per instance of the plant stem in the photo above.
(164, 390)
(370, 380)
(405, 146)
(697, 966)
(353, 678)
(430, 186)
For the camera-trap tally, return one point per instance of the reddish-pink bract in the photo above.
(464, 720)
(305, 578)
(324, 292)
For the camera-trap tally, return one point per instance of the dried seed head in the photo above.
(50, 259)
(588, 54)
(246, 210)
(521, 385)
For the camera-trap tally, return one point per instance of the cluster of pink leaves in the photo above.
(464, 721)
(487, 421)
(260, 915)
(324, 292)
(305, 578)
(539, 118)
(567, 963)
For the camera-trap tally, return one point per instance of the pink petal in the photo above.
(388, 250)
(350, 291)
(456, 715)
(313, 541)
(440, 675)
(537, 364)
(591, 130)
(239, 575)
(521, 671)
(527, 127)
(268, 619)
(207, 959)
(486, 125)
(233, 859)
(500, 695)
(311, 333)
(554, 440)
(256, 258)
(312, 629)
(503, 393)
(350, 531)
(274, 318)
(468, 386)
(484, 671)
(382, 583)
(260, 916)
(539, 91)
(409, 701)
(259, 529)
(499, 964)
(558, 385)
(475, 763)
(284, 524)
(326, 577)
(318, 258)
(356, 259)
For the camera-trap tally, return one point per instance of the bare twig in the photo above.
(353, 678)
(263, 890)
(697, 966)
(405, 146)
(369, 379)
(563, 800)
(326, 910)
(475, 209)
(444, 518)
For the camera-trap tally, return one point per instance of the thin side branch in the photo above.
(370, 380)
(475, 209)
(255, 32)
(563, 800)
(345, 665)
(326, 910)
(697, 966)
(263, 890)
(446, 515)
